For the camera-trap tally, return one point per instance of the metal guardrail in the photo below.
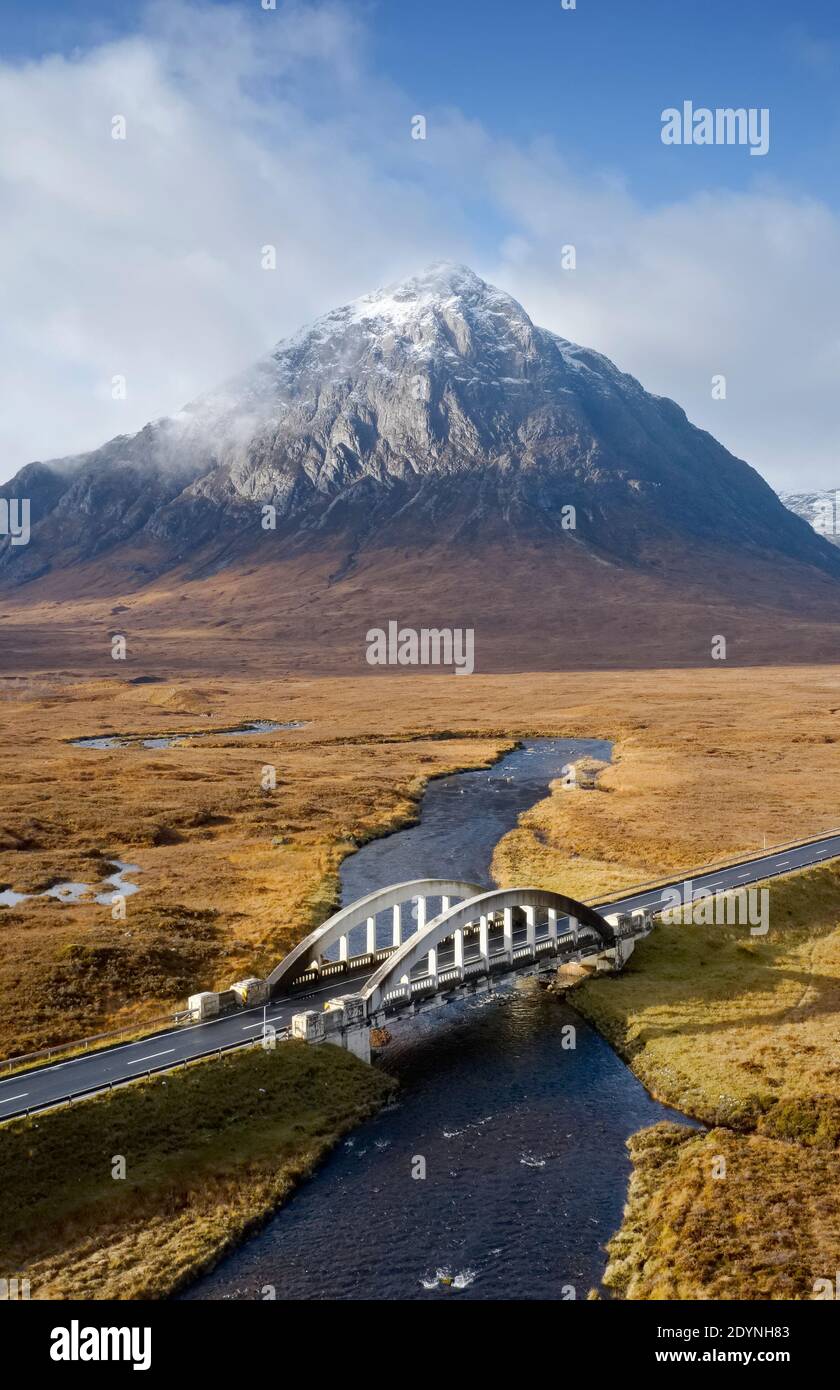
(736, 887)
(280, 1035)
(711, 866)
(83, 1044)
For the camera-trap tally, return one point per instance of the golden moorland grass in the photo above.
(740, 1031)
(209, 1151)
(733, 1028)
(717, 1215)
(706, 764)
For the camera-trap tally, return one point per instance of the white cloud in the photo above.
(142, 257)
(745, 285)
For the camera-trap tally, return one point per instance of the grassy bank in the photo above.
(737, 1029)
(208, 1152)
(742, 1033)
(767, 1228)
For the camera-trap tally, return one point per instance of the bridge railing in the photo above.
(499, 961)
(331, 968)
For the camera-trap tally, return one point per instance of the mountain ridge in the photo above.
(431, 419)
(439, 377)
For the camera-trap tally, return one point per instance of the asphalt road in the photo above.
(91, 1072)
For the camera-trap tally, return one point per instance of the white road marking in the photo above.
(150, 1057)
(9, 1099)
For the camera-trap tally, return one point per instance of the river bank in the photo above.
(502, 1165)
(130, 1195)
(741, 1033)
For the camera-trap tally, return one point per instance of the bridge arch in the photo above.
(364, 911)
(394, 974)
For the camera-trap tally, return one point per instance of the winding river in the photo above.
(522, 1137)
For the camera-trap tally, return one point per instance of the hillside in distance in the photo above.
(821, 510)
(427, 454)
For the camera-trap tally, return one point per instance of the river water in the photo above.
(521, 1135)
(254, 726)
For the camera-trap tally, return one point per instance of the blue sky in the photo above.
(292, 128)
(597, 78)
(594, 79)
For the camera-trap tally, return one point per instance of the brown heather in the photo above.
(736, 1030)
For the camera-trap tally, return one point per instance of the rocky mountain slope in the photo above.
(432, 419)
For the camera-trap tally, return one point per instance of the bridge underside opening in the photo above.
(387, 928)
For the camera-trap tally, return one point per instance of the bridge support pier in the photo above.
(343, 1023)
(355, 1039)
(396, 935)
(371, 936)
(624, 948)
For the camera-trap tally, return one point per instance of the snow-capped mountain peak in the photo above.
(433, 397)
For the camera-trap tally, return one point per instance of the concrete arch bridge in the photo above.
(427, 939)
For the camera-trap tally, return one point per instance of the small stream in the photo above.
(253, 726)
(522, 1136)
